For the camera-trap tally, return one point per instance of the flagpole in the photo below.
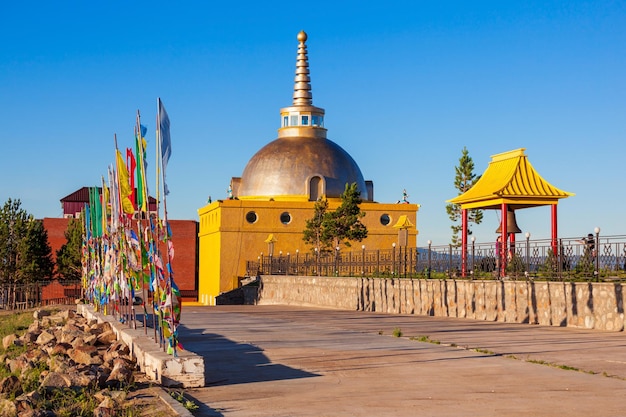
(172, 316)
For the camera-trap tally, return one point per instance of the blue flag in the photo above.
(165, 140)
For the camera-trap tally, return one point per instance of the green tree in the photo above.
(69, 255)
(463, 181)
(25, 254)
(314, 233)
(344, 224)
(329, 229)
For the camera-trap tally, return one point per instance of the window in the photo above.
(285, 218)
(285, 121)
(315, 120)
(385, 219)
(293, 121)
(251, 217)
(305, 120)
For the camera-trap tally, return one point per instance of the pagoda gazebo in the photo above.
(509, 183)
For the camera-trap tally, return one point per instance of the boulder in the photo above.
(9, 340)
(54, 381)
(11, 386)
(85, 354)
(44, 338)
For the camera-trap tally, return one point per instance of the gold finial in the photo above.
(302, 90)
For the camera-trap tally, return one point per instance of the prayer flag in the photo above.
(165, 141)
(125, 191)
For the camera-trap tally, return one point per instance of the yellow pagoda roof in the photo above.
(510, 179)
(403, 223)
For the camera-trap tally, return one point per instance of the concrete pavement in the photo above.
(292, 361)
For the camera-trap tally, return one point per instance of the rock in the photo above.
(44, 338)
(60, 349)
(105, 409)
(26, 403)
(11, 386)
(9, 340)
(7, 408)
(39, 314)
(121, 374)
(116, 350)
(86, 355)
(17, 364)
(106, 338)
(54, 381)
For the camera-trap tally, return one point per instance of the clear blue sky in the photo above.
(406, 85)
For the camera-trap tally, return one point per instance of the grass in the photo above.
(15, 323)
(397, 332)
(425, 339)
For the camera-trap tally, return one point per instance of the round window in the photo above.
(251, 217)
(285, 218)
(385, 219)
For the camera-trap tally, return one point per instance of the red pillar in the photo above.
(463, 242)
(555, 236)
(504, 235)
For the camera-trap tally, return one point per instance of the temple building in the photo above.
(268, 206)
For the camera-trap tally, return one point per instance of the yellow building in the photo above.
(277, 191)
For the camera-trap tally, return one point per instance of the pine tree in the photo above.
(463, 181)
(69, 255)
(344, 224)
(36, 254)
(329, 229)
(315, 234)
(25, 253)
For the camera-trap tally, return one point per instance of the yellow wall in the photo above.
(227, 240)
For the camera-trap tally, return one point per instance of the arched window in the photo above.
(316, 188)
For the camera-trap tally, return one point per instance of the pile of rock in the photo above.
(75, 354)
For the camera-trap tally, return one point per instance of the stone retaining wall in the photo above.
(597, 306)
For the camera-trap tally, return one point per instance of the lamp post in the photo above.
(362, 259)
(597, 253)
(430, 242)
(393, 258)
(337, 261)
(297, 259)
(317, 261)
(527, 254)
(262, 269)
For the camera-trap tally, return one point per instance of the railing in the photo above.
(526, 259)
(37, 294)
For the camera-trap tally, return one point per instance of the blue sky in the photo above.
(405, 85)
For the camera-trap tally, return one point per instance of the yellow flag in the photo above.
(105, 205)
(125, 191)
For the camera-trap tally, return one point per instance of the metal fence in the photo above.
(574, 259)
(37, 294)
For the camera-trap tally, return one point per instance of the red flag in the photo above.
(131, 164)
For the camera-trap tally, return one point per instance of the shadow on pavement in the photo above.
(227, 362)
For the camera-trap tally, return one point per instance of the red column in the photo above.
(504, 235)
(555, 236)
(463, 242)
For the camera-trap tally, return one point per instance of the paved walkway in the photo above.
(290, 361)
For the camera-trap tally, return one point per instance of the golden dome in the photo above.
(293, 166)
(302, 162)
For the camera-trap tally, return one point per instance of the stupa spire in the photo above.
(302, 89)
(302, 118)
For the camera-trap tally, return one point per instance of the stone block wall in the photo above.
(587, 305)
